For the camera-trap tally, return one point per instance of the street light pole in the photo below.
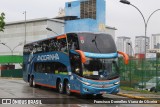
(10, 48)
(145, 22)
(25, 15)
(131, 48)
(150, 18)
(16, 46)
(49, 29)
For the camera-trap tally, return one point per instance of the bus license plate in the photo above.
(103, 92)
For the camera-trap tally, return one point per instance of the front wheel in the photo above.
(68, 88)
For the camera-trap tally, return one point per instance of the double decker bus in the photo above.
(84, 63)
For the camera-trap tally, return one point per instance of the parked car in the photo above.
(151, 84)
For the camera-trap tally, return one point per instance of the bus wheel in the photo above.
(60, 87)
(34, 84)
(68, 88)
(30, 82)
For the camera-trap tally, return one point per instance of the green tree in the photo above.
(2, 23)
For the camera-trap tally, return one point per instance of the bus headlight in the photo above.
(86, 83)
(77, 70)
(116, 83)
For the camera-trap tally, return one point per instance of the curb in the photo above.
(136, 97)
(131, 96)
(11, 78)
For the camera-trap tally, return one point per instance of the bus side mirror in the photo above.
(125, 57)
(83, 57)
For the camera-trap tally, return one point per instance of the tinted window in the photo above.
(62, 45)
(53, 44)
(76, 64)
(96, 43)
(44, 67)
(50, 67)
(73, 41)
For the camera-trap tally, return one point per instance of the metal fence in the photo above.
(15, 73)
(141, 73)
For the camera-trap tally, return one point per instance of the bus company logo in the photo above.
(6, 101)
(48, 57)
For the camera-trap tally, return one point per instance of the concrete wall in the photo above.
(14, 34)
(56, 26)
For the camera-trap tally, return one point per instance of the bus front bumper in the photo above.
(94, 90)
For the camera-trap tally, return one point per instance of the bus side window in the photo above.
(48, 68)
(60, 68)
(38, 67)
(56, 66)
(62, 45)
(44, 67)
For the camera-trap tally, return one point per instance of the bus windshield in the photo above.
(100, 69)
(96, 43)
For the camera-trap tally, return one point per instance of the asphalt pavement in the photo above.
(17, 88)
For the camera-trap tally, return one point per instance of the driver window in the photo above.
(76, 64)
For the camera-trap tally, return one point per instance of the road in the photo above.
(17, 88)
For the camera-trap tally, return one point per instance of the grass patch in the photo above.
(137, 90)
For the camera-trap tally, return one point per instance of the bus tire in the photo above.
(68, 88)
(60, 87)
(30, 82)
(34, 84)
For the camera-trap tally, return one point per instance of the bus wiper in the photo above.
(94, 40)
(111, 76)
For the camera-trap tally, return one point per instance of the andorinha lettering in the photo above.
(48, 57)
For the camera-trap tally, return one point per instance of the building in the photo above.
(111, 31)
(78, 16)
(13, 37)
(140, 44)
(124, 44)
(153, 51)
(155, 41)
(87, 16)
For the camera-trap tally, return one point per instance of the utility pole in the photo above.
(25, 15)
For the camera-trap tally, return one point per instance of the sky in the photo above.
(125, 18)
